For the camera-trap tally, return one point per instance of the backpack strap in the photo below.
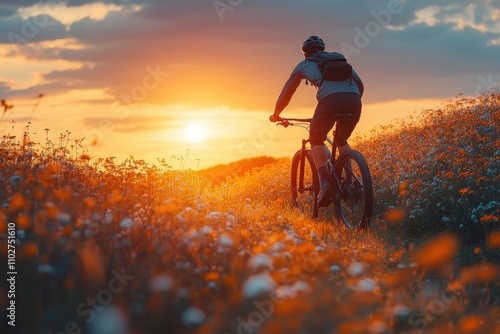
(315, 57)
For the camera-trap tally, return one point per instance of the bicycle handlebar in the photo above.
(289, 121)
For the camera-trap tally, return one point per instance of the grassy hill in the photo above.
(221, 172)
(132, 248)
(441, 168)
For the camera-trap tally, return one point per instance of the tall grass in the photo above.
(235, 257)
(441, 168)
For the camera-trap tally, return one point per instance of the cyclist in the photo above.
(334, 97)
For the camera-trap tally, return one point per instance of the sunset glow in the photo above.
(145, 187)
(195, 133)
(119, 72)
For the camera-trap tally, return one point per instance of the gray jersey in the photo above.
(309, 70)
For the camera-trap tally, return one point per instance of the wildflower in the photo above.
(63, 218)
(46, 269)
(193, 317)
(366, 284)
(437, 251)
(257, 285)
(225, 240)
(15, 180)
(109, 320)
(161, 283)
(206, 229)
(355, 269)
(334, 268)
(278, 246)
(126, 223)
(108, 217)
(213, 216)
(259, 261)
(284, 291)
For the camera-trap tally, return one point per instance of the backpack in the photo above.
(333, 66)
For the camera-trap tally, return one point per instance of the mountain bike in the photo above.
(352, 197)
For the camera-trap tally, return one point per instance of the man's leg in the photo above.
(321, 156)
(343, 148)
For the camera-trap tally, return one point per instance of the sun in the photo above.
(195, 133)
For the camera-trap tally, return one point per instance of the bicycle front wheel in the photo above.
(304, 193)
(354, 202)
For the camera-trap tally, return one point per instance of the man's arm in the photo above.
(288, 90)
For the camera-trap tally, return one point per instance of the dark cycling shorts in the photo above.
(323, 118)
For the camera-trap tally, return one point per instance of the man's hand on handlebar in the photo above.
(273, 118)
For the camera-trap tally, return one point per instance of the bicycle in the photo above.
(352, 197)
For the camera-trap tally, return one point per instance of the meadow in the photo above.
(104, 247)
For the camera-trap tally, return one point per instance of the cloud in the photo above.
(6, 11)
(247, 57)
(68, 15)
(4, 87)
(38, 28)
(131, 123)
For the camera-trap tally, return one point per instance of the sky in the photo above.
(125, 78)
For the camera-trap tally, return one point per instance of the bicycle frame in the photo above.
(352, 193)
(333, 152)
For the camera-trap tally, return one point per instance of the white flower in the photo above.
(258, 284)
(355, 268)
(193, 317)
(213, 216)
(230, 220)
(225, 240)
(301, 286)
(109, 321)
(278, 246)
(46, 269)
(15, 180)
(367, 284)
(400, 311)
(260, 261)
(206, 229)
(161, 283)
(108, 217)
(284, 291)
(126, 223)
(334, 268)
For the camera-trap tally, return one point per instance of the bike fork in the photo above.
(302, 165)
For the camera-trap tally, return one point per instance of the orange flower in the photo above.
(436, 252)
(494, 240)
(471, 324)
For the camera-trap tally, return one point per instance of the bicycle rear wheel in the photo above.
(304, 197)
(354, 203)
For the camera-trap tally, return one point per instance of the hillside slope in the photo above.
(221, 172)
(442, 167)
(132, 248)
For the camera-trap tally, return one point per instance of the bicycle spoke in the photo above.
(355, 203)
(304, 198)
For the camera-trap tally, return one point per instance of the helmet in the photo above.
(313, 44)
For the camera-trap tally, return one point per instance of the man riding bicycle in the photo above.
(334, 97)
